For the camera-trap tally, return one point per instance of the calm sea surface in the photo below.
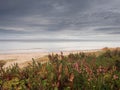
(51, 46)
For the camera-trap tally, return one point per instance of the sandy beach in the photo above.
(23, 58)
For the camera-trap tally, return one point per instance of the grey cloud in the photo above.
(44, 7)
(12, 11)
(8, 31)
(115, 33)
(109, 30)
(45, 17)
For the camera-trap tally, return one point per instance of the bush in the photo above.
(78, 71)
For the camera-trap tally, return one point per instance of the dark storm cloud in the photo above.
(61, 17)
(42, 7)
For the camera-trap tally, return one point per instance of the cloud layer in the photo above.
(59, 19)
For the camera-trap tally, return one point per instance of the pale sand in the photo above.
(23, 58)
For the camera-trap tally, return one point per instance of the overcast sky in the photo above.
(60, 19)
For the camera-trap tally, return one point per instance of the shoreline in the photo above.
(23, 58)
(8, 56)
(57, 51)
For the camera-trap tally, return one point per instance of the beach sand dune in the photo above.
(20, 58)
(23, 58)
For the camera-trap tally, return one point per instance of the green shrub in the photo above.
(80, 71)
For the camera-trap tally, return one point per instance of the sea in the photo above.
(7, 47)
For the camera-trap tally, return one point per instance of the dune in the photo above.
(22, 59)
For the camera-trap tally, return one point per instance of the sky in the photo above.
(59, 19)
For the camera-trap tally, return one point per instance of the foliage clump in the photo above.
(78, 71)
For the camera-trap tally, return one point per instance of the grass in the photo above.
(80, 71)
(2, 63)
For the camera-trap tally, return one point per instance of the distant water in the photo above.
(51, 46)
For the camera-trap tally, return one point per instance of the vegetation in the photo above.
(80, 71)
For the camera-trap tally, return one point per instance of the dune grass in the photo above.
(78, 71)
